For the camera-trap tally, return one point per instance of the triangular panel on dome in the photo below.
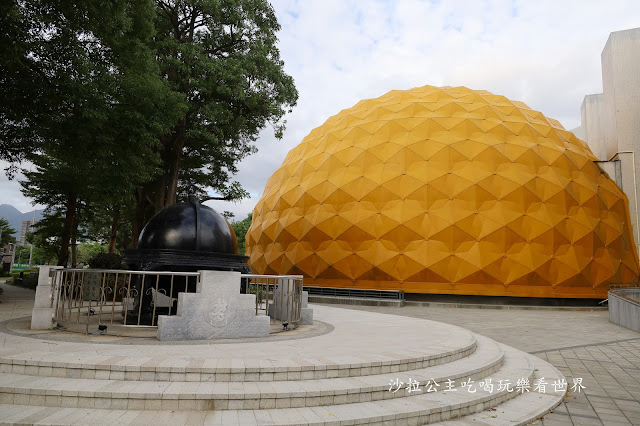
(352, 266)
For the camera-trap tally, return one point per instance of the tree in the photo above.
(47, 236)
(6, 233)
(126, 103)
(86, 251)
(221, 58)
(39, 255)
(104, 104)
(241, 228)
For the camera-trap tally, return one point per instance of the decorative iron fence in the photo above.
(279, 296)
(118, 296)
(137, 298)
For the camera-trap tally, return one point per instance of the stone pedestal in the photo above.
(217, 310)
(306, 314)
(44, 306)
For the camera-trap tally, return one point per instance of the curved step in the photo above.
(88, 393)
(524, 408)
(422, 408)
(348, 349)
(175, 368)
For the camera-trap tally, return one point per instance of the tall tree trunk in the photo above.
(171, 156)
(172, 180)
(69, 220)
(74, 249)
(115, 223)
(139, 218)
(74, 239)
(163, 190)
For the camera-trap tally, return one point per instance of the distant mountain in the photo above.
(15, 216)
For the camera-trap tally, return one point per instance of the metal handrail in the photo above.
(355, 292)
(622, 296)
(632, 284)
(189, 274)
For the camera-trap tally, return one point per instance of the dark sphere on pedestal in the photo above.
(184, 237)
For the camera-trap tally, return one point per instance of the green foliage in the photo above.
(241, 228)
(8, 233)
(259, 292)
(221, 58)
(88, 251)
(46, 238)
(29, 278)
(21, 259)
(102, 104)
(106, 261)
(120, 106)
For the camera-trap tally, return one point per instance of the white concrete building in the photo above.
(610, 120)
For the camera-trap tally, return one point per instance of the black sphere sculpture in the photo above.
(187, 237)
(184, 237)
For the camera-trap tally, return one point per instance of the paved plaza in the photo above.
(580, 343)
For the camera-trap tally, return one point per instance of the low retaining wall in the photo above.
(624, 307)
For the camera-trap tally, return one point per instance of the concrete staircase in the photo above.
(104, 390)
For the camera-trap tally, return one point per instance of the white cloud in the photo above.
(544, 53)
(10, 191)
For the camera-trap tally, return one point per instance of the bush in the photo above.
(87, 251)
(106, 261)
(29, 278)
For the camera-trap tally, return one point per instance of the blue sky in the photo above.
(544, 53)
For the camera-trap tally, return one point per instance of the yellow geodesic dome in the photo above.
(444, 190)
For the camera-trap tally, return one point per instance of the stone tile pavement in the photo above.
(580, 343)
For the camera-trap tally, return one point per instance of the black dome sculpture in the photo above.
(189, 226)
(184, 237)
(187, 237)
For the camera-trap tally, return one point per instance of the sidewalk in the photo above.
(15, 302)
(581, 344)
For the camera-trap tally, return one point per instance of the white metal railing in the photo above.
(136, 298)
(279, 296)
(118, 296)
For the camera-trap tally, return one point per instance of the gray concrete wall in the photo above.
(579, 132)
(612, 169)
(621, 84)
(629, 166)
(625, 310)
(593, 127)
(621, 113)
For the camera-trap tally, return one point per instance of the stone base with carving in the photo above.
(216, 311)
